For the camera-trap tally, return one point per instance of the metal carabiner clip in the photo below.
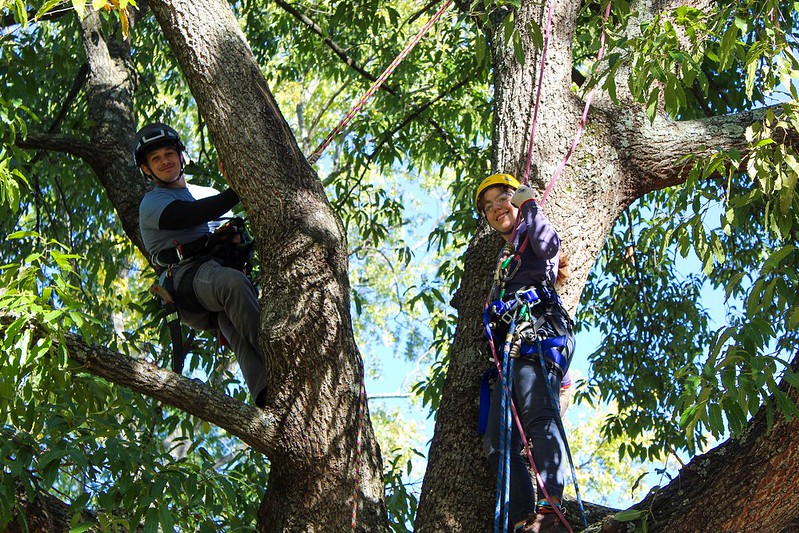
(508, 273)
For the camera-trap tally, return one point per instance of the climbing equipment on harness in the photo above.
(544, 331)
(314, 157)
(231, 245)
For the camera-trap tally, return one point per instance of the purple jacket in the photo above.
(539, 259)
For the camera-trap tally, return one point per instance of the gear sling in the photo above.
(231, 245)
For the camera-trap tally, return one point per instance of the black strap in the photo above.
(192, 249)
(173, 322)
(176, 332)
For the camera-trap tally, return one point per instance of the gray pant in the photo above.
(228, 293)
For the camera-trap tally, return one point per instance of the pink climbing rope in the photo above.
(547, 31)
(583, 120)
(314, 157)
(361, 402)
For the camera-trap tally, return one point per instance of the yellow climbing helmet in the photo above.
(490, 181)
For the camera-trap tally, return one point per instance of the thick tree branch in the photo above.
(58, 143)
(656, 151)
(256, 427)
(314, 368)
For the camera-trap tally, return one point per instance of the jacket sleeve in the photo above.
(543, 239)
(181, 214)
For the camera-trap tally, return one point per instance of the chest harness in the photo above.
(231, 245)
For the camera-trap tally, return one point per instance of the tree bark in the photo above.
(313, 366)
(109, 94)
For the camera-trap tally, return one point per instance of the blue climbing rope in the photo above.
(502, 506)
(559, 421)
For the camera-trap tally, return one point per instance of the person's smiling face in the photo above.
(164, 164)
(499, 212)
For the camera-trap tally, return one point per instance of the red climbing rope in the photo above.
(314, 157)
(581, 126)
(361, 402)
(547, 31)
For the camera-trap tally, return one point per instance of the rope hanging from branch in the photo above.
(314, 157)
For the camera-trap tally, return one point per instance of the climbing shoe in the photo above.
(541, 523)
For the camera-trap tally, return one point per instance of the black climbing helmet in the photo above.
(151, 137)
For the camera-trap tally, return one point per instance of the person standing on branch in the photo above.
(524, 302)
(195, 254)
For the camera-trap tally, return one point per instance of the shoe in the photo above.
(542, 523)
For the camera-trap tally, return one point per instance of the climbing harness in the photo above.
(231, 245)
(529, 334)
(314, 157)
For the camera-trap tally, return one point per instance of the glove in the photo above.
(522, 195)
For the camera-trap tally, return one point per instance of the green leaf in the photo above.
(46, 7)
(80, 7)
(536, 35)
(652, 104)
(629, 515)
(670, 96)
(518, 48)
(151, 520)
(751, 77)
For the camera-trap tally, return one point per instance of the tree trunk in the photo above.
(313, 365)
(109, 93)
